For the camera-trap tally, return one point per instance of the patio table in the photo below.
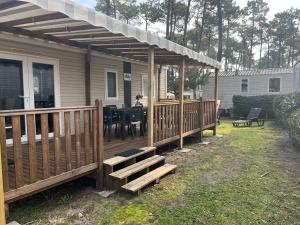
(124, 114)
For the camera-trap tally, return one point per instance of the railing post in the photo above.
(100, 147)
(216, 101)
(2, 204)
(201, 118)
(181, 91)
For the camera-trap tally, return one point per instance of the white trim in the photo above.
(241, 82)
(277, 92)
(43, 43)
(106, 87)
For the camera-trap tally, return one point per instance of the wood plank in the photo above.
(181, 102)
(148, 178)
(68, 140)
(77, 138)
(137, 167)
(41, 185)
(45, 145)
(100, 148)
(2, 204)
(87, 145)
(95, 136)
(57, 143)
(4, 154)
(150, 105)
(119, 159)
(18, 154)
(32, 148)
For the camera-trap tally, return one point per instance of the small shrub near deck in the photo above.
(243, 104)
(287, 113)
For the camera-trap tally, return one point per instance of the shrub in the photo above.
(243, 104)
(287, 112)
(294, 127)
(284, 105)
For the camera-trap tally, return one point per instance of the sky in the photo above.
(274, 5)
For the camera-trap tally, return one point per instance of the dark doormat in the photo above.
(129, 152)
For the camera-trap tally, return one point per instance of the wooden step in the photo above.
(155, 175)
(137, 167)
(120, 159)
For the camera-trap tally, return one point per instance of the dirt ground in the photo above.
(246, 176)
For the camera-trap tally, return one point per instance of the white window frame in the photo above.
(145, 76)
(247, 85)
(106, 85)
(280, 86)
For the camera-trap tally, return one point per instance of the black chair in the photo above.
(253, 116)
(110, 117)
(136, 116)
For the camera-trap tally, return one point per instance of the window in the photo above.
(244, 85)
(274, 85)
(145, 86)
(111, 85)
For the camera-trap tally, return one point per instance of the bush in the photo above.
(284, 105)
(294, 127)
(243, 104)
(287, 112)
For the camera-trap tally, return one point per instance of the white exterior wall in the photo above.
(257, 85)
(72, 72)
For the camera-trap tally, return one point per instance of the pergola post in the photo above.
(216, 100)
(88, 77)
(2, 204)
(159, 82)
(150, 105)
(181, 92)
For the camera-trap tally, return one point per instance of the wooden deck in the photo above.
(77, 147)
(117, 145)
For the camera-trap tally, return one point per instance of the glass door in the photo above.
(14, 93)
(44, 94)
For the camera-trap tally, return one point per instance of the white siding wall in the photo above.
(72, 70)
(257, 85)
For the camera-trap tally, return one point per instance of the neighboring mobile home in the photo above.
(56, 59)
(251, 83)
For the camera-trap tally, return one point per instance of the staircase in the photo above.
(135, 169)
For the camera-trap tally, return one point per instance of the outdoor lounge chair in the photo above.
(253, 116)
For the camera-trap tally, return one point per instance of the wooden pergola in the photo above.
(66, 23)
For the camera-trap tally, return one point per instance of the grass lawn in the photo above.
(248, 176)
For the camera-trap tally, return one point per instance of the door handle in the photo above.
(22, 96)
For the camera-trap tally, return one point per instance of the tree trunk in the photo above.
(220, 30)
(202, 26)
(251, 43)
(260, 49)
(186, 20)
(168, 19)
(107, 12)
(227, 41)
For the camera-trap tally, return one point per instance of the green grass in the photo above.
(221, 183)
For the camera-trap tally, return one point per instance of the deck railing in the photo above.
(166, 122)
(44, 147)
(197, 116)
